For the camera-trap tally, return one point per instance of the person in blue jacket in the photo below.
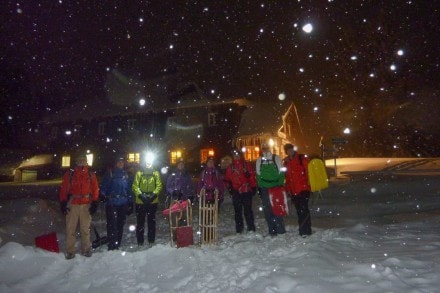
(116, 192)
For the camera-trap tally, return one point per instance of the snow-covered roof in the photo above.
(263, 117)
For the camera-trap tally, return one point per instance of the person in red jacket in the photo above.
(79, 200)
(242, 183)
(297, 185)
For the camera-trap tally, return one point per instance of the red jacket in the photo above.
(81, 184)
(297, 176)
(240, 175)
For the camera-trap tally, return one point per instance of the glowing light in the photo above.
(373, 266)
(149, 158)
(132, 228)
(142, 102)
(164, 170)
(307, 28)
(347, 131)
(315, 109)
(301, 70)
(400, 52)
(373, 190)
(393, 67)
(282, 96)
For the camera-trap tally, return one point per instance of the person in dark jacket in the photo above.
(242, 183)
(179, 184)
(116, 192)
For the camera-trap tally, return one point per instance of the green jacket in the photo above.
(146, 181)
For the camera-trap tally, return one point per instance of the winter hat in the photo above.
(235, 152)
(288, 146)
(119, 158)
(81, 160)
(264, 145)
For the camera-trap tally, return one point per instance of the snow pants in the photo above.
(149, 211)
(116, 216)
(274, 223)
(301, 203)
(243, 205)
(78, 214)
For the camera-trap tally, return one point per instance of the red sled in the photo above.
(176, 207)
(278, 201)
(48, 242)
(184, 236)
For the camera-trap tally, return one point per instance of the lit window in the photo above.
(205, 153)
(134, 158)
(65, 162)
(174, 156)
(251, 153)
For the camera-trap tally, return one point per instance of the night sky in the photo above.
(368, 66)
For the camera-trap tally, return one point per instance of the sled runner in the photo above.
(180, 232)
(208, 218)
(48, 242)
(278, 201)
(317, 175)
(99, 240)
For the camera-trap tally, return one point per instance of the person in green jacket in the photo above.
(146, 187)
(269, 174)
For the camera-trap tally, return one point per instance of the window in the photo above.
(252, 153)
(212, 119)
(54, 132)
(101, 128)
(175, 155)
(130, 124)
(77, 130)
(65, 162)
(134, 158)
(90, 159)
(205, 153)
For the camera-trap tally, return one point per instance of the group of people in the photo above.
(124, 193)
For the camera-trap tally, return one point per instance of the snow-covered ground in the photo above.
(371, 234)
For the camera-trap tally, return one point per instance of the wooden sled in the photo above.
(208, 219)
(180, 232)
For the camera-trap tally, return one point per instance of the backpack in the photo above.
(269, 174)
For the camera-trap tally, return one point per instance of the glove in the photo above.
(93, 207)
(147, 198)
(64, 209)
(129, 209)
